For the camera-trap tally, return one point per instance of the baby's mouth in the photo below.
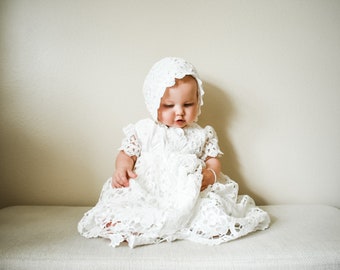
(180, 121)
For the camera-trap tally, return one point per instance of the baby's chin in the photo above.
(179, 124)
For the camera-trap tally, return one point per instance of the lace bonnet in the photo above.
(162, 75)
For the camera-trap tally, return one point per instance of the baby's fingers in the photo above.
(119, 180)
(132, 174)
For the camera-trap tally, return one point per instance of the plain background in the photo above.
(72, 73)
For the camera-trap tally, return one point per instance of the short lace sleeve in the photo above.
(211, 148)
(130, 144)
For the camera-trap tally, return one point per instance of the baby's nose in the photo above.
(179, 110)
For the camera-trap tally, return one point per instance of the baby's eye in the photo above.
(188, 104)
(168, 105)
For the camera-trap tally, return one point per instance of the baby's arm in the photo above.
(212, 163)
(124, 170)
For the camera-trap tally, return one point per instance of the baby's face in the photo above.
(179, 104)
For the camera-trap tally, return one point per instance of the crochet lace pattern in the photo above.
(164, 202)
(163, 74)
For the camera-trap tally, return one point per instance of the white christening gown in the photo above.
(164, 202)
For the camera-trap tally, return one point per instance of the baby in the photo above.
(178, 108)
(168, 183)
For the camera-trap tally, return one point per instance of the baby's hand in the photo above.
(121, 177)
(208, 179)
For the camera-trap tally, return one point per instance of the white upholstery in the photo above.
(46, 237)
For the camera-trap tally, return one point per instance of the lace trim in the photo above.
(219, 216)
(211, 148)
(130, 144)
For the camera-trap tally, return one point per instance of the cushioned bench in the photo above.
(46, 237)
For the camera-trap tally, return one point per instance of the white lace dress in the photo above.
(164, 202)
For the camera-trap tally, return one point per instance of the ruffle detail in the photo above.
(130, 144)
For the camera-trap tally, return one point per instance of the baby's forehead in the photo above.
(186, 79)
(186, 87)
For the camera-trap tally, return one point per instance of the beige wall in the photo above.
(71, 78)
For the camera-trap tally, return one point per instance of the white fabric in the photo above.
(162, 75)
(164, 202)
(46, 237)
